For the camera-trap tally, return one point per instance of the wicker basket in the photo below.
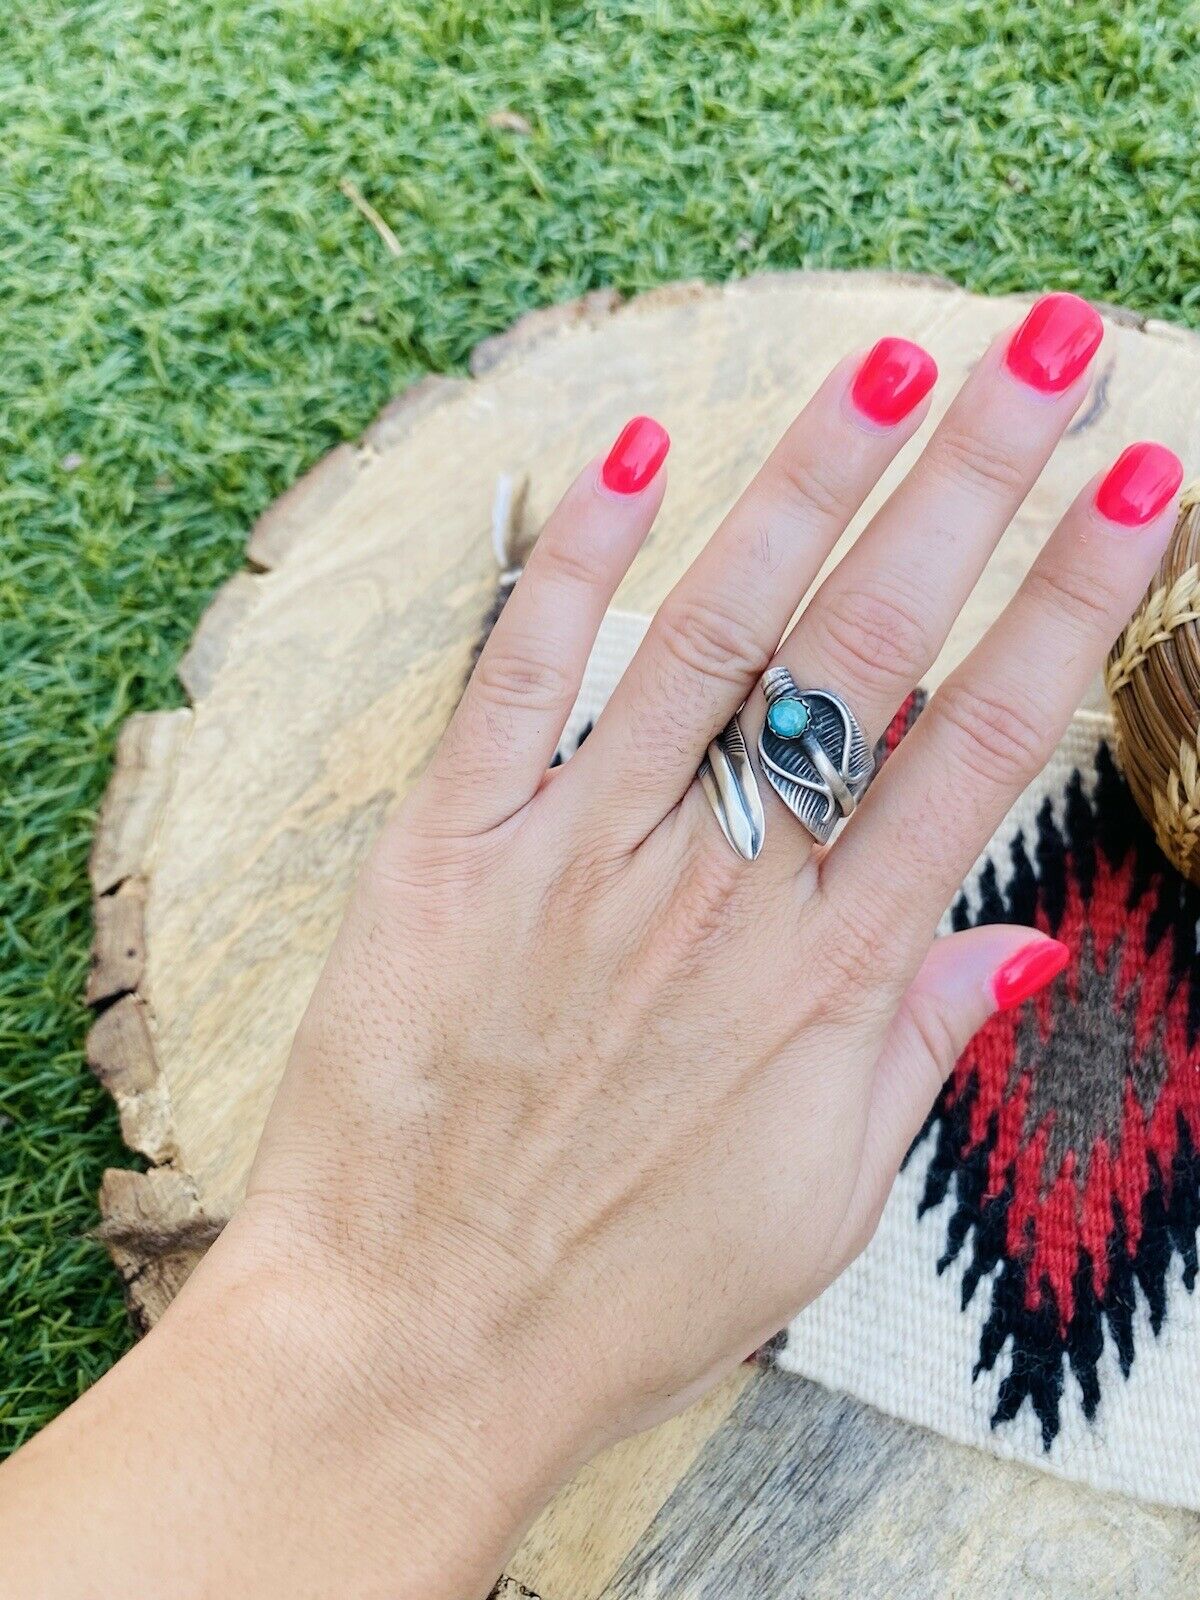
(1153, 679)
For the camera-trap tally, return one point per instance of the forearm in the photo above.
(251, 1445)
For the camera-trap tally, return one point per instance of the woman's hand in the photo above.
(585, 1106)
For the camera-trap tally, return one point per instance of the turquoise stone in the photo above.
(788, 718)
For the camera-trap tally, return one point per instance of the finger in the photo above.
(718, 628)
(503, 736)
(965, 979)
(879, 620)
(994, 723)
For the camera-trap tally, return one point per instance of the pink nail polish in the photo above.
(1054, 344)
(635, 458)
(1029, 970)
(1139, 484)
(895, 377)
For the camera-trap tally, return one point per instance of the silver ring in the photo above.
(727, 777)
(813, 753)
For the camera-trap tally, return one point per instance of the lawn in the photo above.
(191, 312)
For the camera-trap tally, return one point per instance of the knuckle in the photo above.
(994, 738)
(1085, 600)
(706, 900)
(706, 640)
(579, 885)
(813, 485)
(933, 1035)
(426, 871)
(514, 679)
(977, 463)
(858, 953)
(572, 564)
(872, 637)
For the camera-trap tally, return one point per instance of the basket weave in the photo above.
(1153, 681)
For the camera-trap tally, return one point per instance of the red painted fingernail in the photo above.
(640, 450)
(1054, 344)
(895, 377)
(1028, 971)
(1139, 484)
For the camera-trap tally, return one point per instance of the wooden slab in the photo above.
(808, 1495)
(320, 679)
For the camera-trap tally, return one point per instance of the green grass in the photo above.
(191, 312)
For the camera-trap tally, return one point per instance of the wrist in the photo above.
(411, 1415)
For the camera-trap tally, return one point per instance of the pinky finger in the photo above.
(503, 736)
(965, 979)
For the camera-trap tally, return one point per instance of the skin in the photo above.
(584, 1108)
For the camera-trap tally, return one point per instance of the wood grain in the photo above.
(320, 681)
(806, 1493)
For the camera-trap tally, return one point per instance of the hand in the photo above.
(616, 1102)
(585, 1107)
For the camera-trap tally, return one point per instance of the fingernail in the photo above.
(640, 450)
(895, 377)
(1140, 482)
(1029, 970)
(1054, 344)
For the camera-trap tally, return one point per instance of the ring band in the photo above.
(727, 777)
(813, 753)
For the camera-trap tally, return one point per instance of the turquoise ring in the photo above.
(813, 753)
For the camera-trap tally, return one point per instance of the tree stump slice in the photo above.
(320, 679)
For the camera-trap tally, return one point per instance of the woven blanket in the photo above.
(1032, 1285)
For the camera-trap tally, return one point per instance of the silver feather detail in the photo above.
(728, 779)
(789, 768)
